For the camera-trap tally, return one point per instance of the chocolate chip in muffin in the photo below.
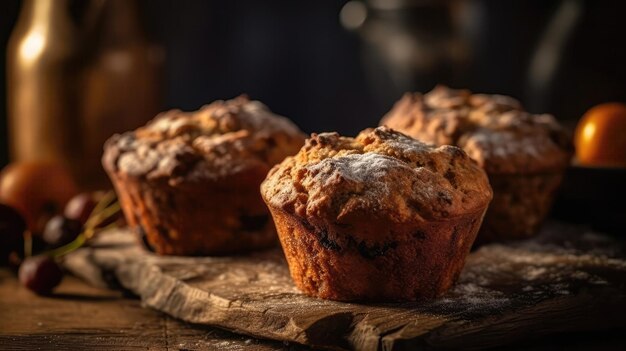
(328, 243)
(376, 250)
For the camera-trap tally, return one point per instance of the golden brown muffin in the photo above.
(377, 217)
(524, 155)
(190, 180)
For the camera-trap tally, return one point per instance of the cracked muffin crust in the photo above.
(524, 155)
(377, 217)
(190, 180)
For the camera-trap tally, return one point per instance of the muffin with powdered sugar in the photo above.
(379, 217)
(190, 180)
(525, 155)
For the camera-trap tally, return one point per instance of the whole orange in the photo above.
(36, 190)
(600, 136)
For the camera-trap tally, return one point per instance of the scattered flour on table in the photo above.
(558, 262)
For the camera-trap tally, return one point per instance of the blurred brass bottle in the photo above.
(71, 87)
(41, 78)
(121, 86)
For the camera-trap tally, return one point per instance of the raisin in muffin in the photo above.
(190, 180)
(377, 217)
(524, 155)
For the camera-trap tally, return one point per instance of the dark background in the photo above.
(298, 58)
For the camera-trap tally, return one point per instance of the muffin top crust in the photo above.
(220, 139)
(493, 129)
(381, 172)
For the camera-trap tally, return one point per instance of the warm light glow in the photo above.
(119, 61)
(32, 46)
(588, 131)
(353, 15)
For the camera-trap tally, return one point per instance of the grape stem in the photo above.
(106, 208)
(28, 243)
(75, 244)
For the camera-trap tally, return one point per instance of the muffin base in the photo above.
(415, 262)
(520, 205)
(209, 218)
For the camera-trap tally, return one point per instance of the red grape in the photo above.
(60, 231)
(80, 207)
(40, 274)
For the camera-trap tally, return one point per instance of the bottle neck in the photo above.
(44, 14)
(117, 22)
(44, 28)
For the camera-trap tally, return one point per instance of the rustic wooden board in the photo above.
(567, 279)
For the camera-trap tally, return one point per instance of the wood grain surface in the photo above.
(81, 317)
(566, 280)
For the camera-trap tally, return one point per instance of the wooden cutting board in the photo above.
(567, 279)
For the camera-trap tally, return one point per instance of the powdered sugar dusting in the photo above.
(487, 143)
(561, 261)
(493, 129)
(212, 137)
(403, 143)
(264, 120)
(359, 167)
(220, 117)
(368, 170)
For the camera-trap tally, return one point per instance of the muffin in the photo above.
(379, 217)
(190, 181)
(525, 155)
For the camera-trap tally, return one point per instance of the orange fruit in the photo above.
(600, 136)
(36, 189)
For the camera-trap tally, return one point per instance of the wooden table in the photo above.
(80, 317)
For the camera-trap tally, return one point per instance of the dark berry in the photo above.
(80, 207)
(40, 274)
(60, 231)
(38, 244)
(12, 227)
